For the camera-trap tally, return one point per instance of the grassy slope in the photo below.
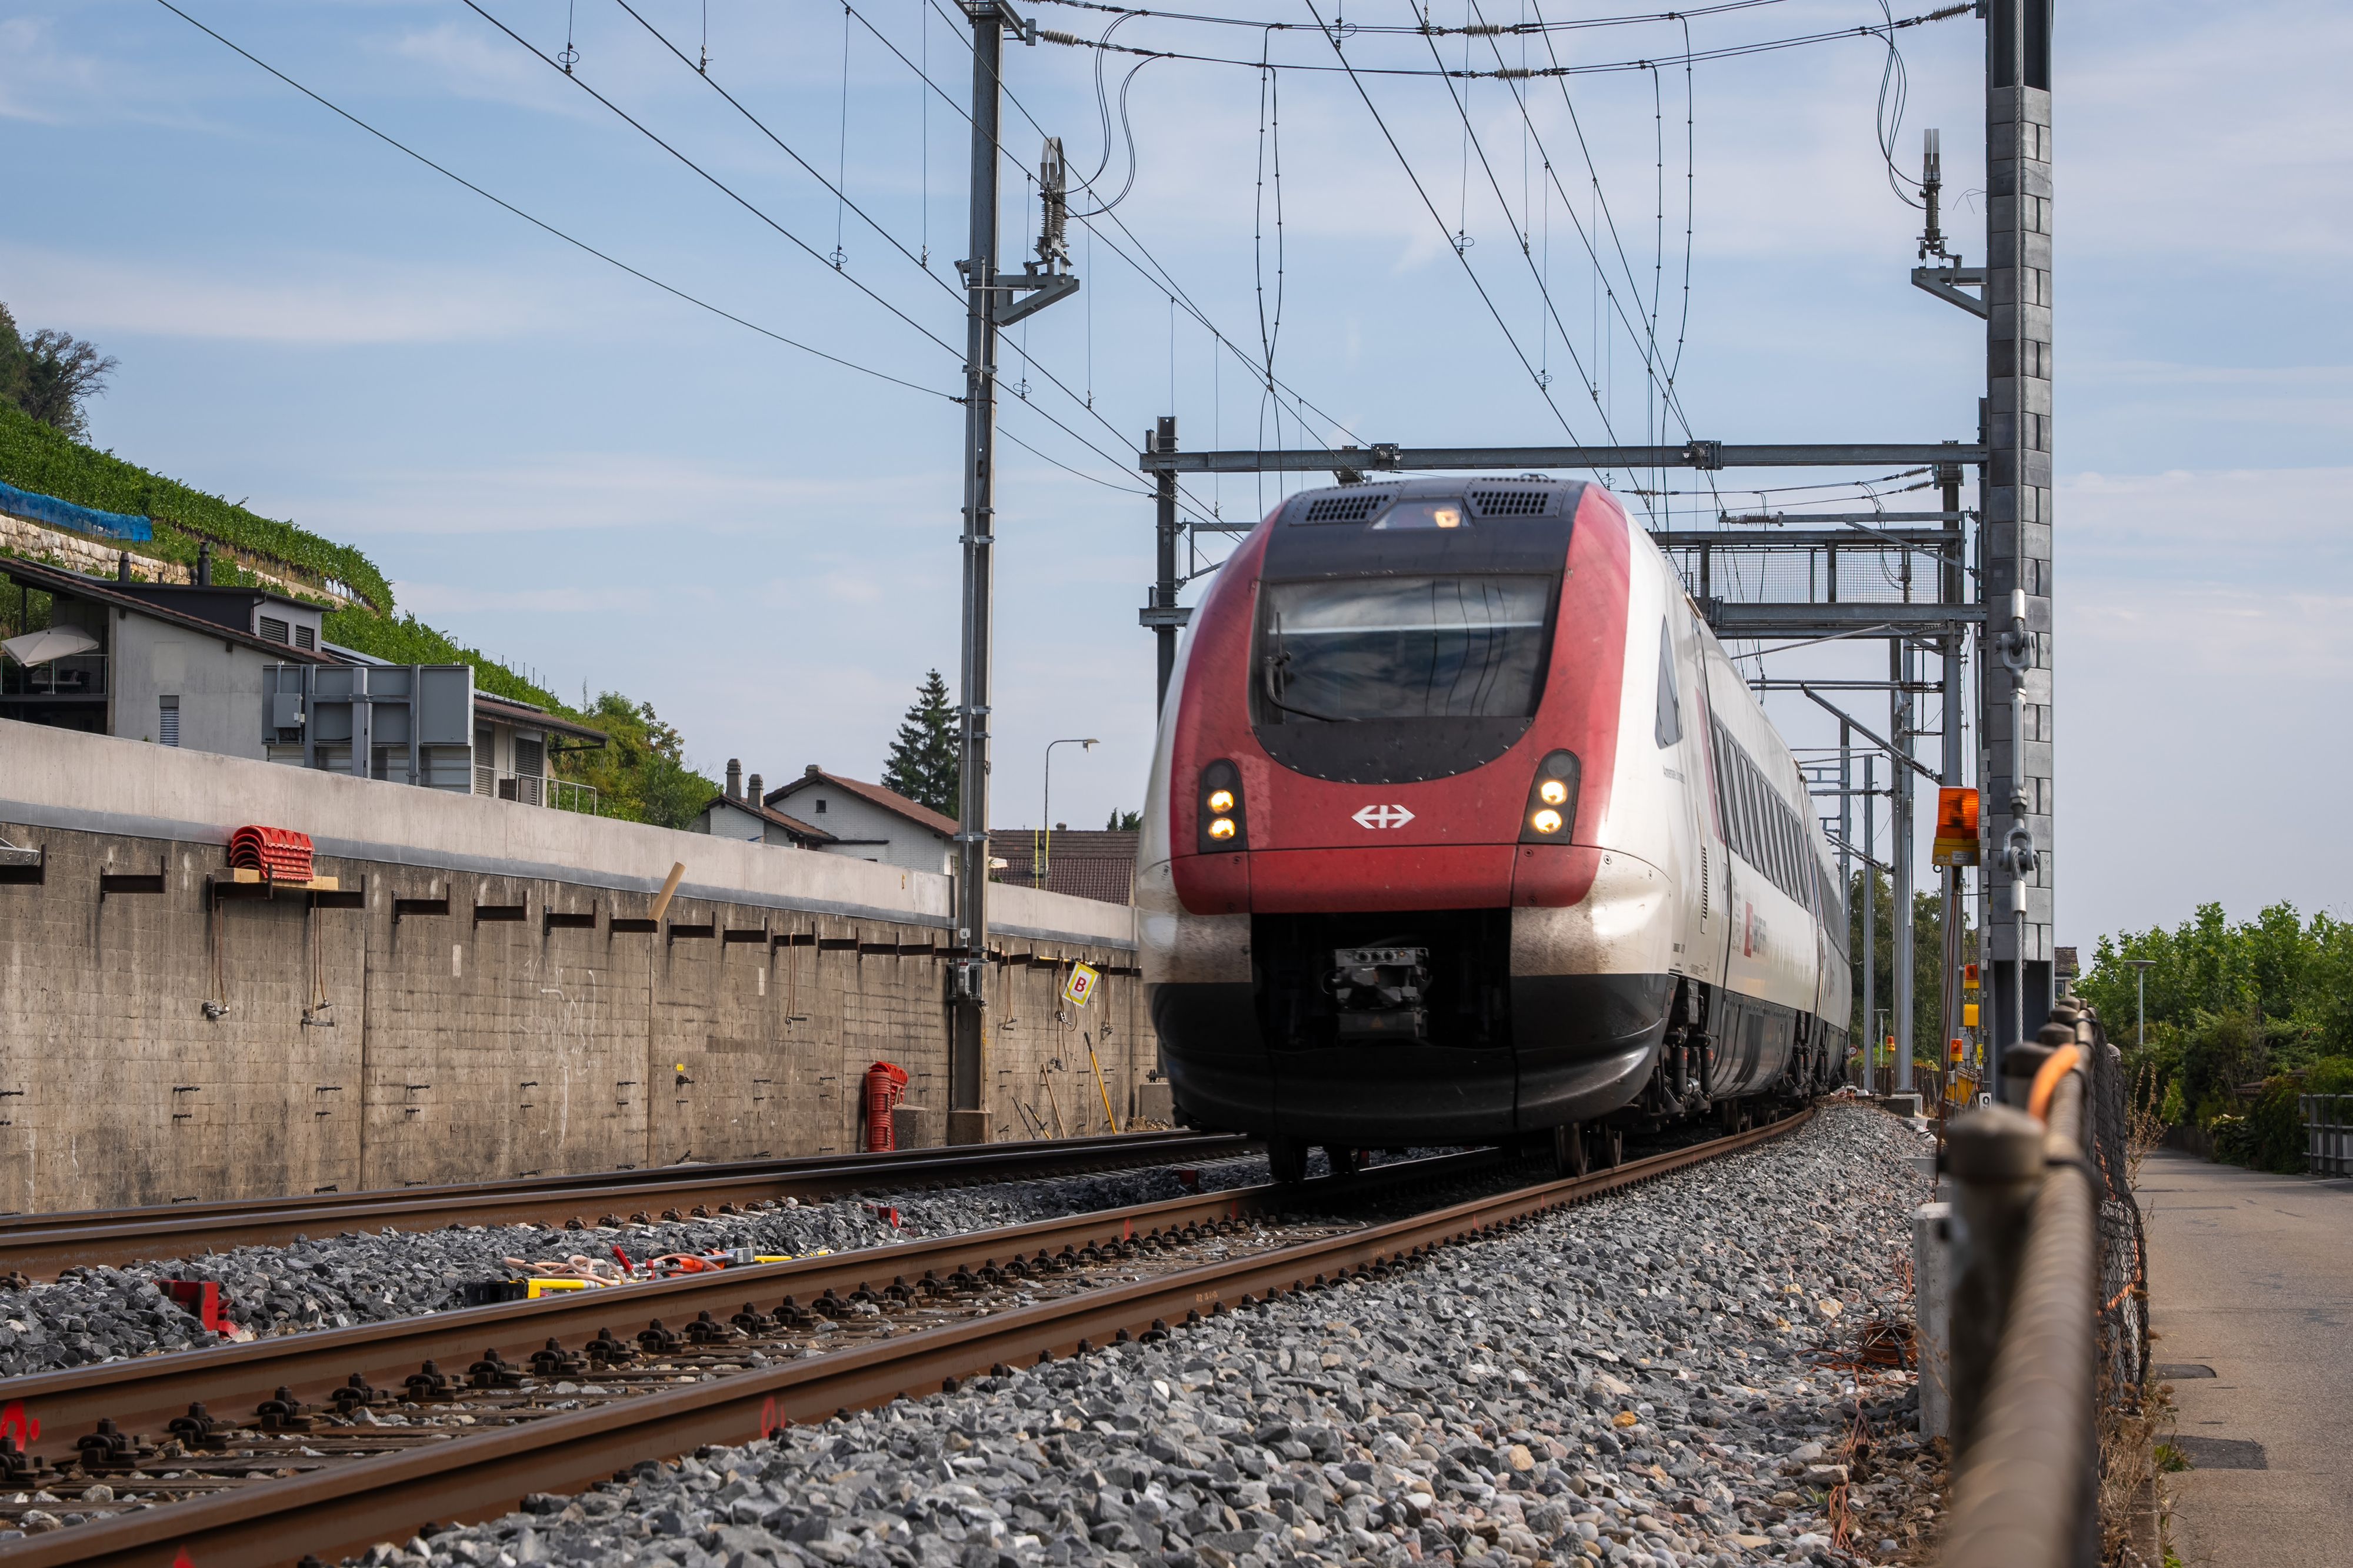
(34, 457)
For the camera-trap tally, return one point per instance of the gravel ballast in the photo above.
(335, 1281)
(1663, 1375)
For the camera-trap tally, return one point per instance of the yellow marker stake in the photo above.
(1100, 1085)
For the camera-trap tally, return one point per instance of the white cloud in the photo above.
(40, 82)
(2272, 530)
(430, 599)
(323, 301)
(590, 491)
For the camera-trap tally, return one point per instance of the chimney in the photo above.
(734, 778)
(122, 566)
(752, 791)
(204, 564)
(811, 770)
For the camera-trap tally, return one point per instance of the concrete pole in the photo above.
(1952, 588)
(967, 1069)
(1900, 830)
(1870, 931)
(2016, 527)
(1163, 538)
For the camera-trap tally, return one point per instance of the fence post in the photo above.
(1932, 1315)
(1995, 1158)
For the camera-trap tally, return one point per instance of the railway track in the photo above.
(543, 1404)
(40, 1245)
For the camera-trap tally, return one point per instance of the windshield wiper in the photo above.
(1266, 685)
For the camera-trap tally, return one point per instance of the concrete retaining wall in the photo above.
(482, 999)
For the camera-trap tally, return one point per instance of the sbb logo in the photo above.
(1379, 817)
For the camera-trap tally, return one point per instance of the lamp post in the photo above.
(2140, 967)
(1045, 853)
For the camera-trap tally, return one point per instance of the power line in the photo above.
(749, 206)
(1387, 135)
(1157, 274)
(1351, 29)
(1724, 52)
(542, 224)
(714, 181)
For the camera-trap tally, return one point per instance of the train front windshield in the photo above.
(1343, 649)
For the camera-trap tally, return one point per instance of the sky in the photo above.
(619, 489)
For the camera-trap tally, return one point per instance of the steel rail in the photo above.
(42, 1244)
(342, 1510)
(145, 1392)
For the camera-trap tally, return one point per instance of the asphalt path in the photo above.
(2250, 1280)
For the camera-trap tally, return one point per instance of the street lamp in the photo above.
(1045, 853)
(2140, 966)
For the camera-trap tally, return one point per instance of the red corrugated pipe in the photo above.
(886, 1085)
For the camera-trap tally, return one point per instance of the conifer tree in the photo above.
(922, 761)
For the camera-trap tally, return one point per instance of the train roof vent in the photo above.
(1355, 506)
(1513, 502)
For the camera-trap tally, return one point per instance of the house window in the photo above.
(820, 807)
(272, 629)
(528, 755)
(167, 720)
(305, 638)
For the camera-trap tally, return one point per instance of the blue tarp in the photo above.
(80, 518)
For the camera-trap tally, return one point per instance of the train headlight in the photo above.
(1222, 823)
(1552, 800)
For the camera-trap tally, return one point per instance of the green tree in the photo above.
(1927, 961)
(51, 374)
(642, 773)
(1124, 821)
(923, 763)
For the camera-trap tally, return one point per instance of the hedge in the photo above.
(36, 456)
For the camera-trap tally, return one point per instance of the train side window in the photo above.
(1736, 788)
(1724, 785)
(1753, 850)
(1671, 717)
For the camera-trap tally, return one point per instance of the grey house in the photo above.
(869, 822)
(246, 672)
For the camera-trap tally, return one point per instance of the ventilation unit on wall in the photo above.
(408, 723)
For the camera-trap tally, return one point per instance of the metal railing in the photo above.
(2047, 1308)
(531, 789)
(76, 675)
(2329, 1133)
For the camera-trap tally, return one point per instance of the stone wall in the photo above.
(102, 558)
(485, 995)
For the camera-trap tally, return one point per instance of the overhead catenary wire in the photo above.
(1150, 267)
(1501, 325)
(549, 228)
(1602, 67)
(714, 181)
(748, 205)
(1472, 143)
(1353, 28)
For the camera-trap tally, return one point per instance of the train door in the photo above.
(1681, 729)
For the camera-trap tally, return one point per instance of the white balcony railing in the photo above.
(531, 789)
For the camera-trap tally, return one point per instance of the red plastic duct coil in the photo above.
(278, 853)
(886, 1085)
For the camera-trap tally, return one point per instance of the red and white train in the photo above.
(1462, 829)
